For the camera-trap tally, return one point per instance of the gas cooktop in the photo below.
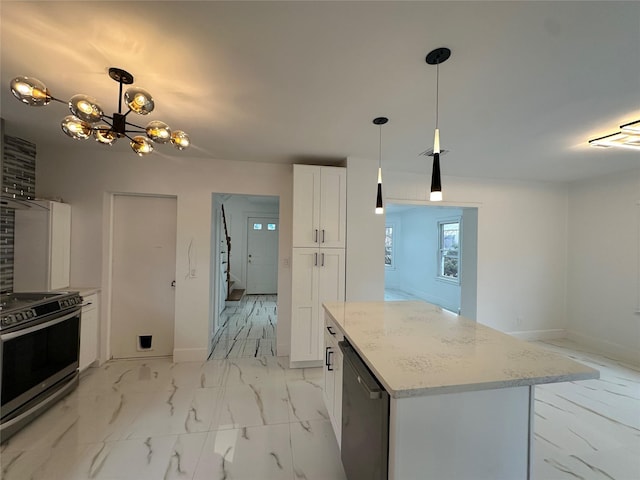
(16, 308)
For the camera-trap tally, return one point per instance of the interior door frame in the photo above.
(108, 211)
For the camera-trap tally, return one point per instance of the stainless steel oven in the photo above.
(39, 349)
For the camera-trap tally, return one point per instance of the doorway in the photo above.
(143, 276)
(245, 243)
(431, 255)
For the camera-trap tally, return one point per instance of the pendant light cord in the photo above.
(437, 90)
(380, 148)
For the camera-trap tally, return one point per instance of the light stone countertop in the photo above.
(416, 348)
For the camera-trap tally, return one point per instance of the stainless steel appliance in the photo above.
(365, 420)
(39, 349)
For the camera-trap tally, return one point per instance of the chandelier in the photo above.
(87, 118)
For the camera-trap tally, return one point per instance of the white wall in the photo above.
(604, 264)
(521, 247)
(416, 256)
(85, 178)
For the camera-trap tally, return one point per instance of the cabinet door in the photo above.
(306, 334)
(306, 205)
(337, 395)
(333, 207)
(330, 278)
(60, 215)
(329, 382)
(89, 332)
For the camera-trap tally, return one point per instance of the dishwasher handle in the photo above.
(366, 380)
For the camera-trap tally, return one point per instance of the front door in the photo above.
(143, 272)
(262, 255)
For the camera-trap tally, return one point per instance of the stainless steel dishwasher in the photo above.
(365, 420)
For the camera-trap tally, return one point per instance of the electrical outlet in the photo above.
(192, 273)
(285, 262)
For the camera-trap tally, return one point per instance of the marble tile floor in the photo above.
(254, 418)
(241, 418)
(588, 429)
(247, 330)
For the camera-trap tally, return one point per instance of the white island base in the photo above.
(474, 435)
(461, 394)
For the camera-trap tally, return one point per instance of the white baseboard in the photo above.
(310, 364)
(189, 355)
(606, 348)
(535, 335)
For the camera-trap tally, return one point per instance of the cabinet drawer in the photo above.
(333, 331)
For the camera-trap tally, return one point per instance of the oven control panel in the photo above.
(17, 317)
(18, 308)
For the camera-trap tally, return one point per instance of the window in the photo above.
(449, 250)
(271, 226)
(257, 226)
(388, 246)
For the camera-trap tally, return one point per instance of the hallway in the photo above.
(248, 329)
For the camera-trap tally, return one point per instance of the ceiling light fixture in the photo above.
(436, 57)
(86, 113)
(627, 137)
(379, 207)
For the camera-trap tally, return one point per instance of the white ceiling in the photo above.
(528, 83)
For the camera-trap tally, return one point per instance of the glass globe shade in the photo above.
(85, 108)
(180, 140)
(141, 145)
(31, 91)
(104, 135)
(158, 131)
(76, 128)
(139, 100)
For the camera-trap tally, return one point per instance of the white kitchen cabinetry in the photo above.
(332, 392)
(318, 276)
(318, 257)
(319, 206)
(89, 331)
(42, 247)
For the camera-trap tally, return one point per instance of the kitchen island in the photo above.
(461, 394)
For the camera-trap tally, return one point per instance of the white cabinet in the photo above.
(319, 206)
(318, 276)
(318, 257)
(89, 331)
(332, 391)
(42, 247)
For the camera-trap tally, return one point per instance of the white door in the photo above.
(143, 269)
(262, 255)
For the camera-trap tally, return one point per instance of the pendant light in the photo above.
(379, 207)
(436, 57)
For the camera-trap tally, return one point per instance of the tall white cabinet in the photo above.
(318, 257)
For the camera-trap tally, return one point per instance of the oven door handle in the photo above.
(40, 326)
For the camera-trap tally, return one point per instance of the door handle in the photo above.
(329, 366)
(331, 330)
(315, 259)
(323, 235)
(323, 259)
(173, 284)
(315, 238)
(326, 355)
